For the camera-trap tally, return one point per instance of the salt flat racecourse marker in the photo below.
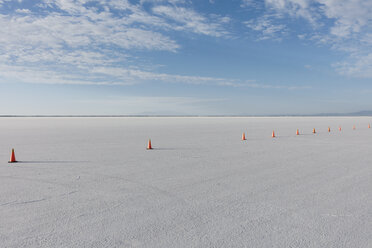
(149, 147)
(339, 129)
(354, 127)
(12, 157)
(297, 132)
(329, 129)
(273, 135)
(369, 125)
(243, 136)
(314, 130)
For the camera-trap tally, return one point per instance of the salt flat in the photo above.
(90, 182)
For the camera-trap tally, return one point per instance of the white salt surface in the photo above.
(90, 182)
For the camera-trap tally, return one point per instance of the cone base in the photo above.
(12, 161)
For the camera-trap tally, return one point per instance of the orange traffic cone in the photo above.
(243, 136)
(354, 127)
(297, 132)
(314, 130)
(273, 134)
(339, 129)
(329, 129)
(149, 147)
(12, 157)
(369, 126)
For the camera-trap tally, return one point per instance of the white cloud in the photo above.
(74, 44)
(187, 19)
(295, 8)
(163, 1)
(86, 74)
(350, 16)
(343, 25)
(266, 28)
(251, 4)
(4, 1)
(65, 41)
(23, 11)
(356, 66)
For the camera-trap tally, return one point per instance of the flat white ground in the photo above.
(90, 182)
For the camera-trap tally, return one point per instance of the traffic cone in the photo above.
(243, 136)
(297, 132)
(329, 129)
(354, 127)
(369, 126)
(273, 135)
(339, 129)
(314, 130)
(149, 147)
(12, 157)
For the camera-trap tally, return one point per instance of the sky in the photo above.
(185, 57)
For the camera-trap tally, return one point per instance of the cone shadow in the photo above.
(51, 162)
(165, 149)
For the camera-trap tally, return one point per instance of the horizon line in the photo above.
(279, 115)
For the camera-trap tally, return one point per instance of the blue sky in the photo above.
(204, 57)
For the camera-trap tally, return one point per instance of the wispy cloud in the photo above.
(358, 66)
(66, 41)
(71, 42)
(187, 19)
(106, 75)
(250, 4)
(256, 85)
(343, 25)
(267, 28)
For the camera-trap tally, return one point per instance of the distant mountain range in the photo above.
(360, 113)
